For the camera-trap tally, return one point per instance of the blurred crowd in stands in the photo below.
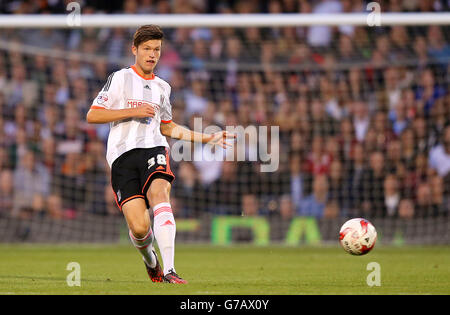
(363, 112)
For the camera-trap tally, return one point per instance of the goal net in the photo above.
(334, 121)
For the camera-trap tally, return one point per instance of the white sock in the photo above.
(165, 229)
(145, 247)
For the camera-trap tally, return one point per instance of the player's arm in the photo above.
(98, 115)
(176, 131)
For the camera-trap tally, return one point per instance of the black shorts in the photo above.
(133, 172)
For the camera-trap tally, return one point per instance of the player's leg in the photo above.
(156, 185)
(125, 180)
(163, 220)
(141, 235)
(138, 220)
(164, 226)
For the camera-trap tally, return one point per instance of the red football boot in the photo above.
(155, 274)
(172, 277)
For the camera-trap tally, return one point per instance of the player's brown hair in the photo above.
(145, 33)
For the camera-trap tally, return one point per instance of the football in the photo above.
(357, 236)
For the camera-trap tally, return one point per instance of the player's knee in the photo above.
(139, 229)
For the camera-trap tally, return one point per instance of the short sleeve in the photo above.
(109, 95)
(166, 109)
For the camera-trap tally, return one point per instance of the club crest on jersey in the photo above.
(103, 97)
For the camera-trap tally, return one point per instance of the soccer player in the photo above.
(136, 104)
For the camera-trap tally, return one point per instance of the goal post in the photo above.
(220, 20)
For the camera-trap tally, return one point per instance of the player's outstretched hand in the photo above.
(220, 138)
(144, 111)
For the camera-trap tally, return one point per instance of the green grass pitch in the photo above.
(235, 270)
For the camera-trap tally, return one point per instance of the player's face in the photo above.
(147, 54)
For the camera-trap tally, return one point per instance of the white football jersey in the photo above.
(127, 89)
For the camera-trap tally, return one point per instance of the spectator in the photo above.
(338, 188)
(55, 208)
(271, 185)
(437, 194)
(48, 155)
(446, 205)
(188, 189)
(301, 120)
(383, 48)
(39, 73)
(233, 52)
(225, 193)
(323, 124)
(422, 135)
(252, 39)
(6, 192)
(424, 201)
(318, 160)
(332, 148)
(428, 91)
(110, 201)
(297, 143)
(394, 156)
(399, 118)
(373, 180)
(346, 138)
(421, 51)
(250, 205)
(199, 55)
(416, 175)
(391, 195)
(208, 162)
(297, 185)
(355, 169)
(314, 205)
(332, 210)
(361, 119)
(440, 155)
(392, 86)
(371, 143)
(196, 102)
(95, 178)
(50, 122)
(321, 36)
(406, 209)
(69, 183)
(438, 48)
(383, 130)
(409, 148)
(333, 107)
(301, 56)
(346, 51)
(440, 120)
(358, 89)
(71, 138)
(19, 89)
(400, 40)
(4, 159)
(412, 106)
(31, 185)
(287, 208)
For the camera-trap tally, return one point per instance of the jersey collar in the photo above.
(135, 71)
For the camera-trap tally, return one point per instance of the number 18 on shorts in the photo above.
(133, 172)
